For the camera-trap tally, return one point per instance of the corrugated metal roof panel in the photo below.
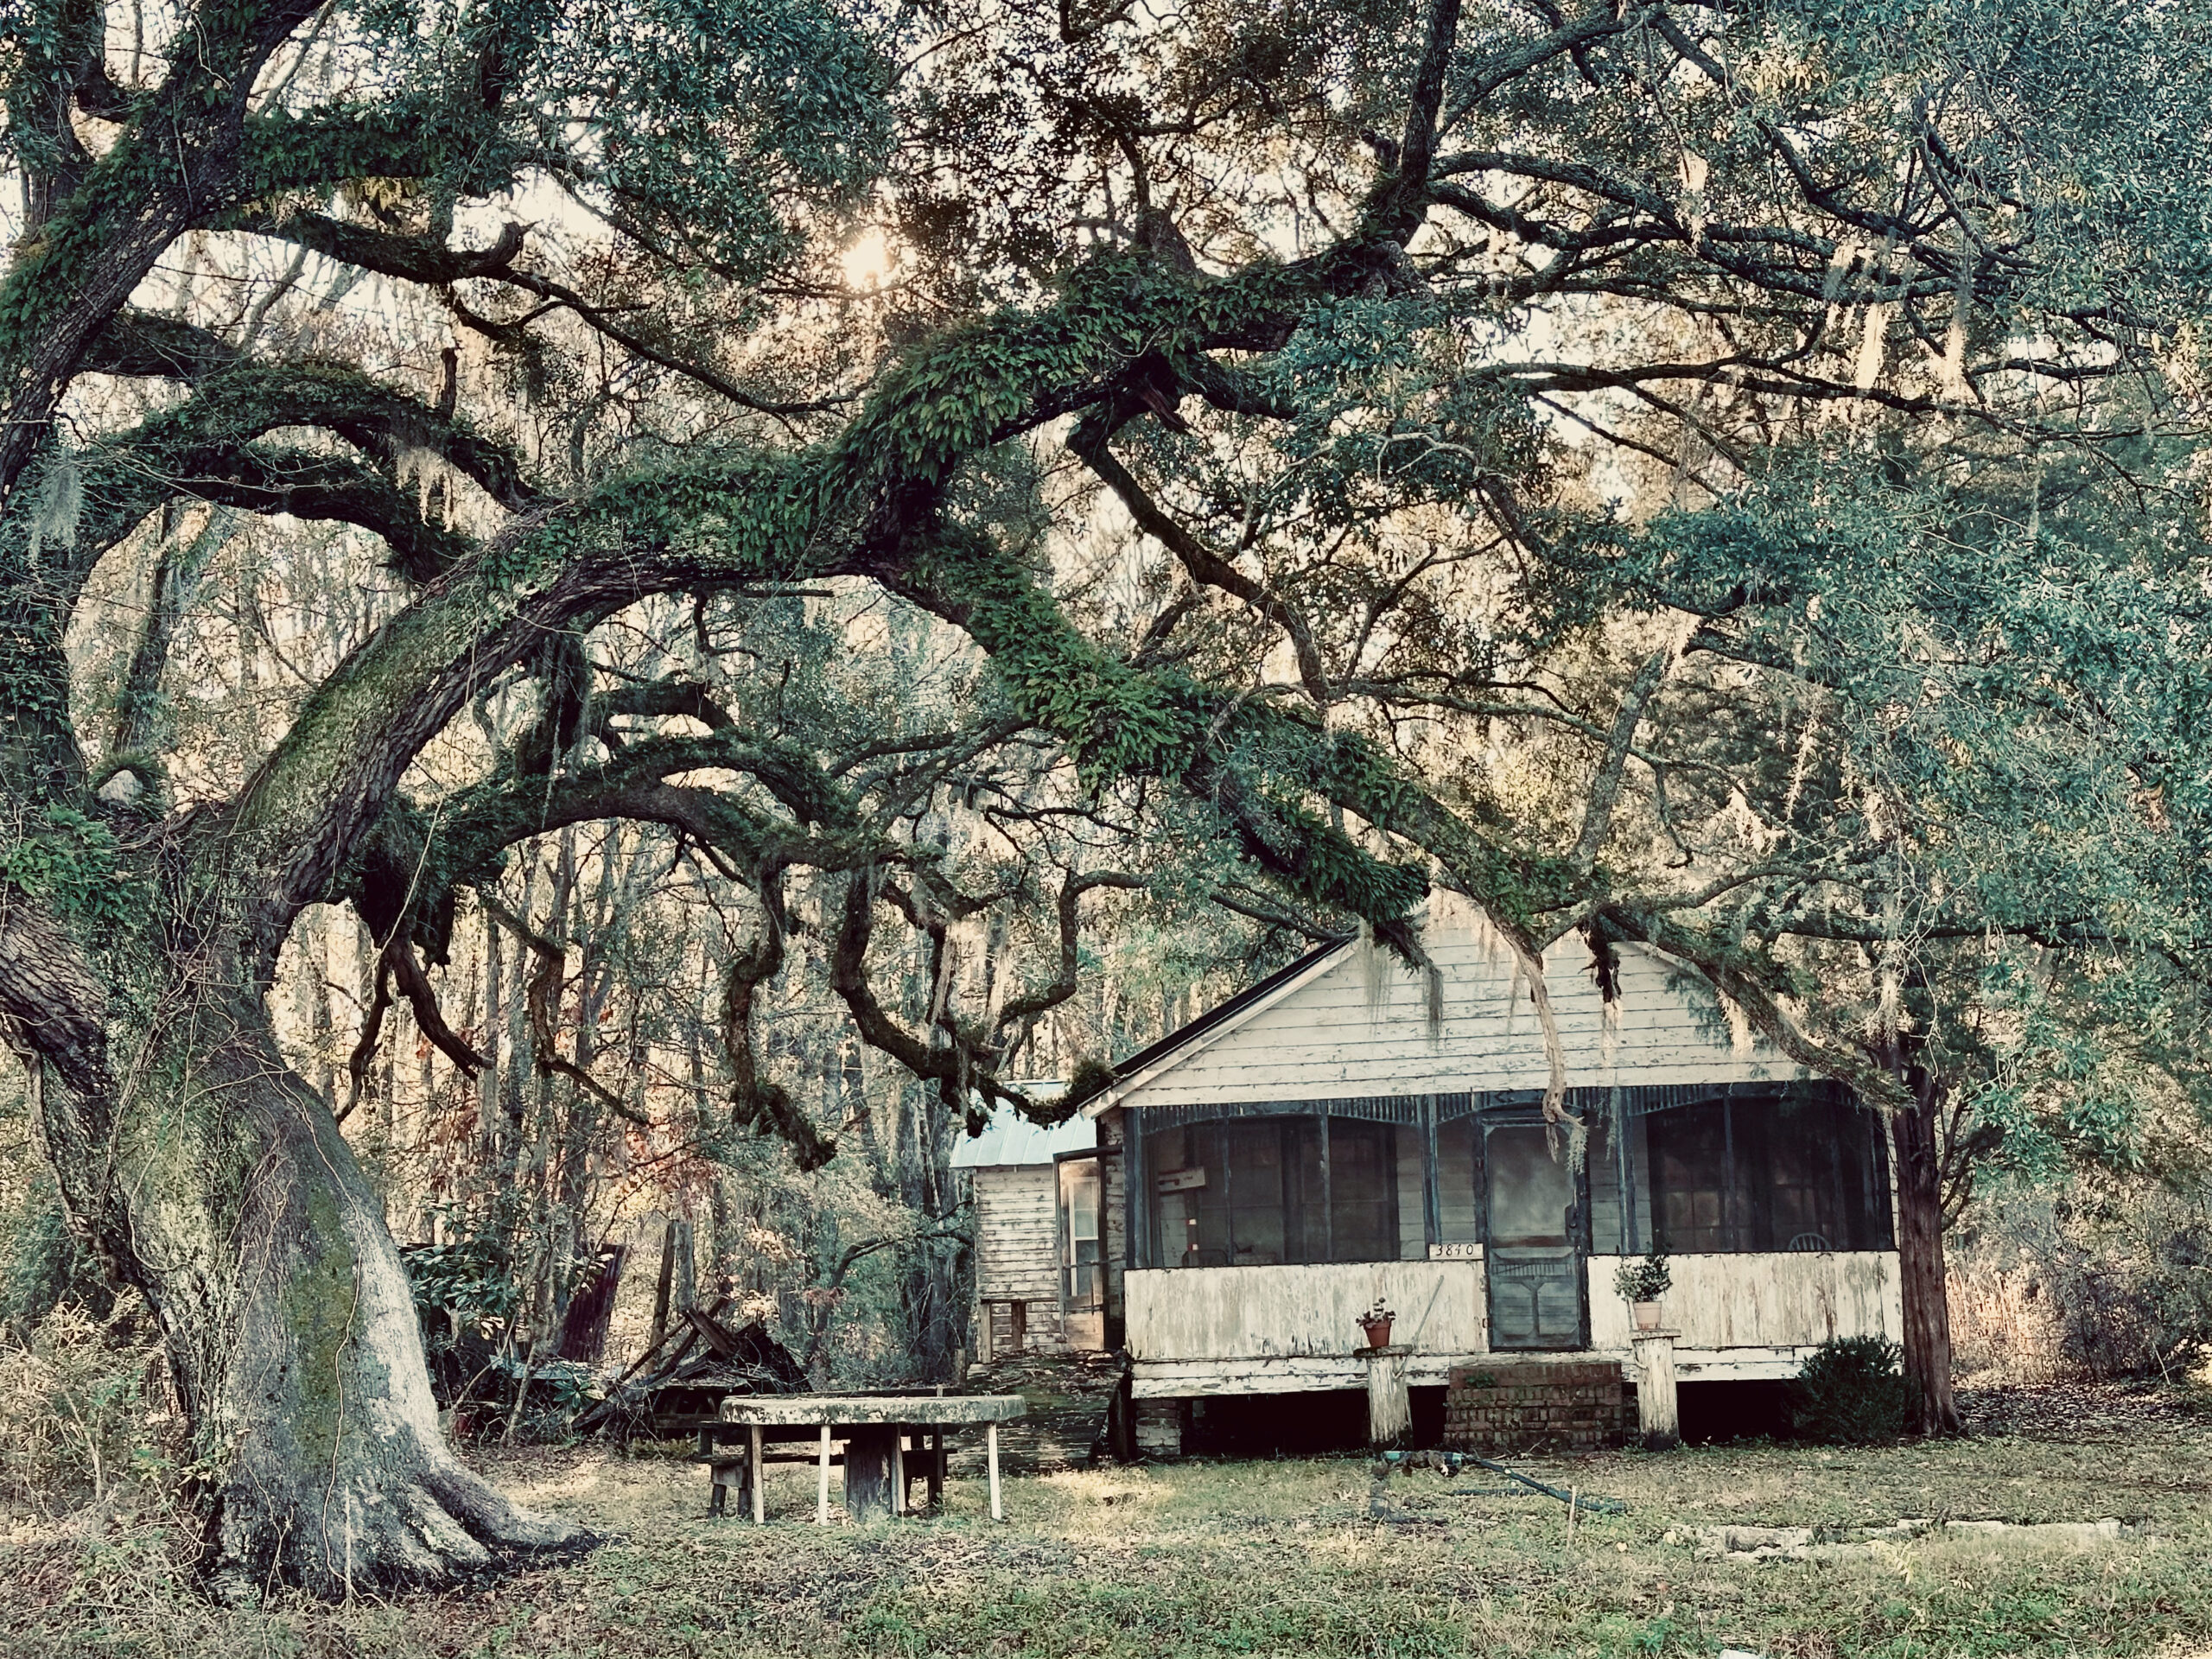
(1009, 1139)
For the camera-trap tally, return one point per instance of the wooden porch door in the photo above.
(1533, 1258)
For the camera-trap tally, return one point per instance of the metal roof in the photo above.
(1009, 1139)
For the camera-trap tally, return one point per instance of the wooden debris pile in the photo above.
(685, 1377)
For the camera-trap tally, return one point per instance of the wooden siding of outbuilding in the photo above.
(1017, 1249)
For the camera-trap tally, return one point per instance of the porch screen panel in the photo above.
(1266, 1187)
(1248, 1188)
(1755, 1175)
(1362, 1190)
(1693, 1175)
(1632, 1170)
(1411, 1172)
(1831, 1186)
(1190, 1226)
(1459, 1182)
(1243, 1192)
(1601, 1164)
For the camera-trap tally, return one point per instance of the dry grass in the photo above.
(1256, 1557)
(2004, 1324)
(73, 1418)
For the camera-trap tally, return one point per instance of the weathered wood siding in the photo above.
(1182, 1316)
(1114, 1201)
(1017, 1243)
(1330, 1038)
(1796, 1300)
(1256, 1313)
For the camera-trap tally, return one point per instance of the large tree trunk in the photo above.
(216, 1181)
(1914, 1138)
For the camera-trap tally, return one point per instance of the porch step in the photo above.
(1527, 1404)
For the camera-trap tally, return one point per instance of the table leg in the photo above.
(759, 1486)
(867, 1471)
(899, 1470)
(822, 1487)
(936, 1470)
(991, 1439)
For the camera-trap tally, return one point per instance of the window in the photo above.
(1249, 1192)
(1081, 1256)
(1730, 1175)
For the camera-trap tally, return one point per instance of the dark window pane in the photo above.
(1690, 1180)
(1459, 1170)
(1767, 1175)
(1362, 1190)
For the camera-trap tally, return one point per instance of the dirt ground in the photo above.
(1291, 1556)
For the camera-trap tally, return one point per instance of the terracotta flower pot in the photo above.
(1378, 1333)
(1646, 1314)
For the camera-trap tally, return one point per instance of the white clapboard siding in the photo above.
(1209, 1313)
(1017, 1234)
(1359, 1027)
(1796, 1298)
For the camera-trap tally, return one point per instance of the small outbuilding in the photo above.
(1040, 1268)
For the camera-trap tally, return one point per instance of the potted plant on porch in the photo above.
(1375, 1322)
(1641, 1284)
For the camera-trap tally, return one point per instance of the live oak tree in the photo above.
(1314, 303)
(137, 945)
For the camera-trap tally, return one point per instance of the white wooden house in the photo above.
(1038, 1283)
(1317, 1144)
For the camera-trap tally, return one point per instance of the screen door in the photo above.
(1532, 1255)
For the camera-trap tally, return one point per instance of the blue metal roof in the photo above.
(1009, 1139)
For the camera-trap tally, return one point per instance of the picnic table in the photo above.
(876, 1429)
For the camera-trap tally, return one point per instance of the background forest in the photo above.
(627, 616)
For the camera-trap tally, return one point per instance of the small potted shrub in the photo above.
(1375, 1322)
(1641, 1285)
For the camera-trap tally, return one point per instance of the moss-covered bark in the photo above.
(214, 1178)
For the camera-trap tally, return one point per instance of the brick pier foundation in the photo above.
(1527, 1404)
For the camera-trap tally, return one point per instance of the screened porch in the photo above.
(1721, 1170)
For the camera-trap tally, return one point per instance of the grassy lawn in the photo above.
(1263, 1558)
